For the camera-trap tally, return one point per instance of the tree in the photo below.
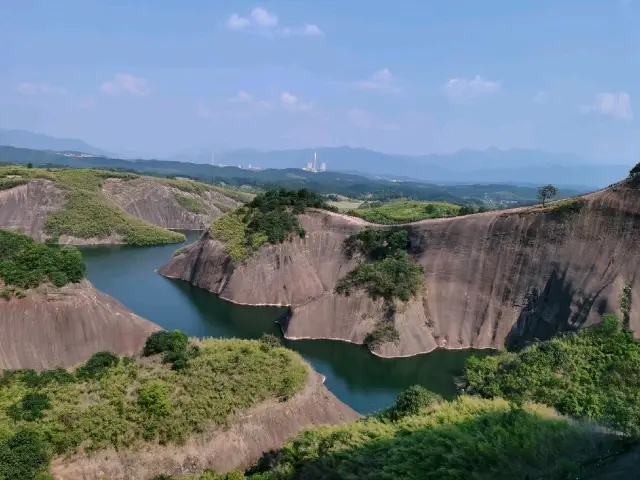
(546, 193)
(634, 173)
(29, 165)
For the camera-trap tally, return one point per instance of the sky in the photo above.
(408, 76)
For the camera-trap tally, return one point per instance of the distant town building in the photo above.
(323, 167)
(313, 166)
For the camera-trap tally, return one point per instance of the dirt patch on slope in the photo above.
(53, 327)
(151, 200)
(24, 208)
(496, 278)
(259, 430)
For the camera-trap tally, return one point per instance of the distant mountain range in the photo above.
(39, 141)
(514, 166)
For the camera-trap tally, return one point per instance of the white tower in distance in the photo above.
(315, 161)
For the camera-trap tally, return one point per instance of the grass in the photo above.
(125, 403)
(566, 208)
(467, 438)
(25, 263)
(593, 374)
(405, 211)
(87, 213)
(190, 204)
(232, 231)
(345, 205)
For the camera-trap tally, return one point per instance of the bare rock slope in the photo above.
(490, 279)
(24, 208)
(54, 327)
(157, 203)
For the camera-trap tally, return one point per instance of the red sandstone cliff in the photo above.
(493, 278)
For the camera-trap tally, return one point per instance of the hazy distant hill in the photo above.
(39, 141)
(326, 182)
(466, 166)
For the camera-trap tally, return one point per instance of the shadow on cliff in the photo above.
(549, 312)
(515, 444)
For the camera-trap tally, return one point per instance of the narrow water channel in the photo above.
(359, 379)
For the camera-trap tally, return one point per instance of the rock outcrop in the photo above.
(24, 208)
(261, 429)
(157, 203)
(54, 327)
(504, 277)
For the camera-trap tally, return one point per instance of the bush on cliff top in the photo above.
(593, 374)
(270, 217)
(405, 211)
(26, 263)
(114, 402)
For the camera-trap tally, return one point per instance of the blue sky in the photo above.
(408, 76)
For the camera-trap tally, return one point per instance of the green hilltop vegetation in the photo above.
(175, 388)
(270, 218)
(406, 211)
(25, 263)
(88, 214)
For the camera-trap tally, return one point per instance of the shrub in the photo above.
(97, 365)
(30, 408)
(153, 398)
(269, 341)
(191, 204)
(175, 347)
(592, 374)
(384, 332)
(376, 244)
(25, 263)
(164, 341)
(412, 401)
(23, 456)
(391, 278)
(7, 183)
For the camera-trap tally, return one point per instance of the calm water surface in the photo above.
(361, 380)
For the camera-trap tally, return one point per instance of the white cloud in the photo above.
(88, 101)
(381, 80)
(261, 21)
(460, 89)
(241, 97)
(541, 97)
(127, 84)
(611, 104)
(293, 103)
(26, 88)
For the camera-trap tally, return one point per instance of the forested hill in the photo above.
(324, 182)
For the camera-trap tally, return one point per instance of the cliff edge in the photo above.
(52, 327)
(496, 278)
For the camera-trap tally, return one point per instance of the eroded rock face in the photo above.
(24, 208)
(491, 279)
(54, 327)
(155, 202)
(261, 429)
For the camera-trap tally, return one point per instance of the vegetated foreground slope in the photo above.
(94, 206)
(490, 279)
(180, 406)
(50, 315)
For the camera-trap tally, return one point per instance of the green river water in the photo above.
(361, 380)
